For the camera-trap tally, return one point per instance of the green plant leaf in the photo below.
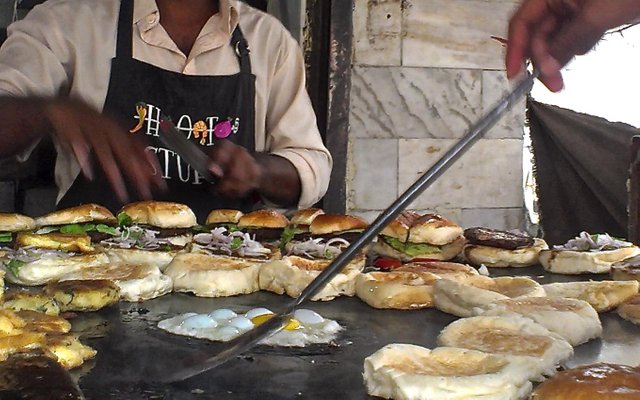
(124, 219)
(5, 237)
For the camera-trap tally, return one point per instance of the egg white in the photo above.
(224, 325)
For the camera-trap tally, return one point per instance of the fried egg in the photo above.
(306, 327)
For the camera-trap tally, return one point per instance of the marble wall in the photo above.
(423, 71)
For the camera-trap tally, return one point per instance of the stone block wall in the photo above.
(423, 71)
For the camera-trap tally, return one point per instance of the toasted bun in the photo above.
(499, 258)
(263, 219)
(77, 215)
(213, 276)
(51, 269)
(405, 371)
(161, 214)
(434, 229)
(332, 223)
(224, 216)
(399, 227)
(292, 274)
(305, 216)
(602, 295)
(401, 290)
(447, 252)
(461, 299)
(159, 259)
(630, 310)
(575, 320)
(517, 338)
(16, 222)
(83, 295)
(592, 382)
(580, 262)
(136, 282)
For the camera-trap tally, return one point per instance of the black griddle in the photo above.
(130, 346)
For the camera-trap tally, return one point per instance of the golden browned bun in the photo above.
(68, 350)
(592, 382)
(292, 274)
(224, 216)
(434, 229)
(77, 215)
(16, 222)
(496, 257)
(444, 253)
(332, 223)
(263, 219)
(10, 323)
(20, 343)
(400, 290)
(630, 309)
(399, 227)
(160, 214)
(17, 300)
(40, 322)
(90, 295)
(306, 216)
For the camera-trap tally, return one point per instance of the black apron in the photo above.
(196, 104)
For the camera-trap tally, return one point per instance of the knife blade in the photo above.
(176, 141)
(249, 339)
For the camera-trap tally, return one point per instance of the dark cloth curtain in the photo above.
(581, 165)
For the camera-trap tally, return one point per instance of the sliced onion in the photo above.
(585, 242)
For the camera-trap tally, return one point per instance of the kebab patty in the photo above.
(496, 238)
(89, 295)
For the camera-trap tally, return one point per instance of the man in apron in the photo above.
(229, 76)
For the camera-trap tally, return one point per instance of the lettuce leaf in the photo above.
(5, 237)
(411, 249)
(124, 219)
(109, 230)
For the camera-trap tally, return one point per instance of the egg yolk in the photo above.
(292, 324)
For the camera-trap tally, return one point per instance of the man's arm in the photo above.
(552, 32)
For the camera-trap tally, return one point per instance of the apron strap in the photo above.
(241, 47)
(124, 45)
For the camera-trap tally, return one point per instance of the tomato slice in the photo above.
(387, 263)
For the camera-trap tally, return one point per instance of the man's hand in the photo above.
(84, 131)
(239, 173)
(552, 32)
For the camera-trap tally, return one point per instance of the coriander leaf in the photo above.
(14, 266)
(110, 230)
(235, 243)
(231, 228)
(124, 219)
(5, 237)
(287, 235)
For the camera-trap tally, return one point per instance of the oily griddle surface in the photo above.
(131, 348)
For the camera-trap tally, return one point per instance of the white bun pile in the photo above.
(517, 338)
(409, 372)
(462, 299)
(602, 295)
(574, 320)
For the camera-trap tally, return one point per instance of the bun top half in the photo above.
(161, 214)
(77, 215)
(16, 222)
(413, 227)
(333, 223)
(263, 219)
(306, 216)
(224, 216)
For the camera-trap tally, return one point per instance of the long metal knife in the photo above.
(249, 339)
(175, 140)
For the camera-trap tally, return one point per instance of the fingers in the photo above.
(237, 171)
(521, 27)
(546, 64)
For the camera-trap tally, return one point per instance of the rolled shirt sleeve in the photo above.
(291, 125)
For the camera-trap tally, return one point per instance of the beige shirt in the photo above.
(65, 47)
